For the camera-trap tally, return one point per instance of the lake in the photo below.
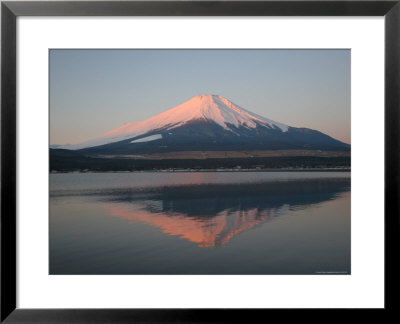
(200, 223)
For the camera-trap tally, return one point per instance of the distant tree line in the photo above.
(62, 161)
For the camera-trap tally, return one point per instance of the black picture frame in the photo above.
(10, 10)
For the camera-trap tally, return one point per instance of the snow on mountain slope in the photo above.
(148, 138)
(203, 107)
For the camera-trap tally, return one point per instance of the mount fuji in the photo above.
(207, 122)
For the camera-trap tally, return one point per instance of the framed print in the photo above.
(162, 159)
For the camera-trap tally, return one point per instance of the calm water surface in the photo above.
(200, 223)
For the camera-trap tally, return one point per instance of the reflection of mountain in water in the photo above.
(210, 215)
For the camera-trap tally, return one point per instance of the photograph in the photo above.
(199, 161)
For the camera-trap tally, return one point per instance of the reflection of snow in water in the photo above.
(282, 210)
(205, 231)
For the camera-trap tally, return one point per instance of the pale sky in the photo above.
(95, 91)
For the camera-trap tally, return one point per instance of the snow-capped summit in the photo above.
(206, 122)
(203, 107)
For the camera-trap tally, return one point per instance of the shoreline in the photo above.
(213, 170)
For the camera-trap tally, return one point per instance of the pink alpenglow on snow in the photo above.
(203, 107)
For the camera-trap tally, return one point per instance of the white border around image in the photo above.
(364, 288)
